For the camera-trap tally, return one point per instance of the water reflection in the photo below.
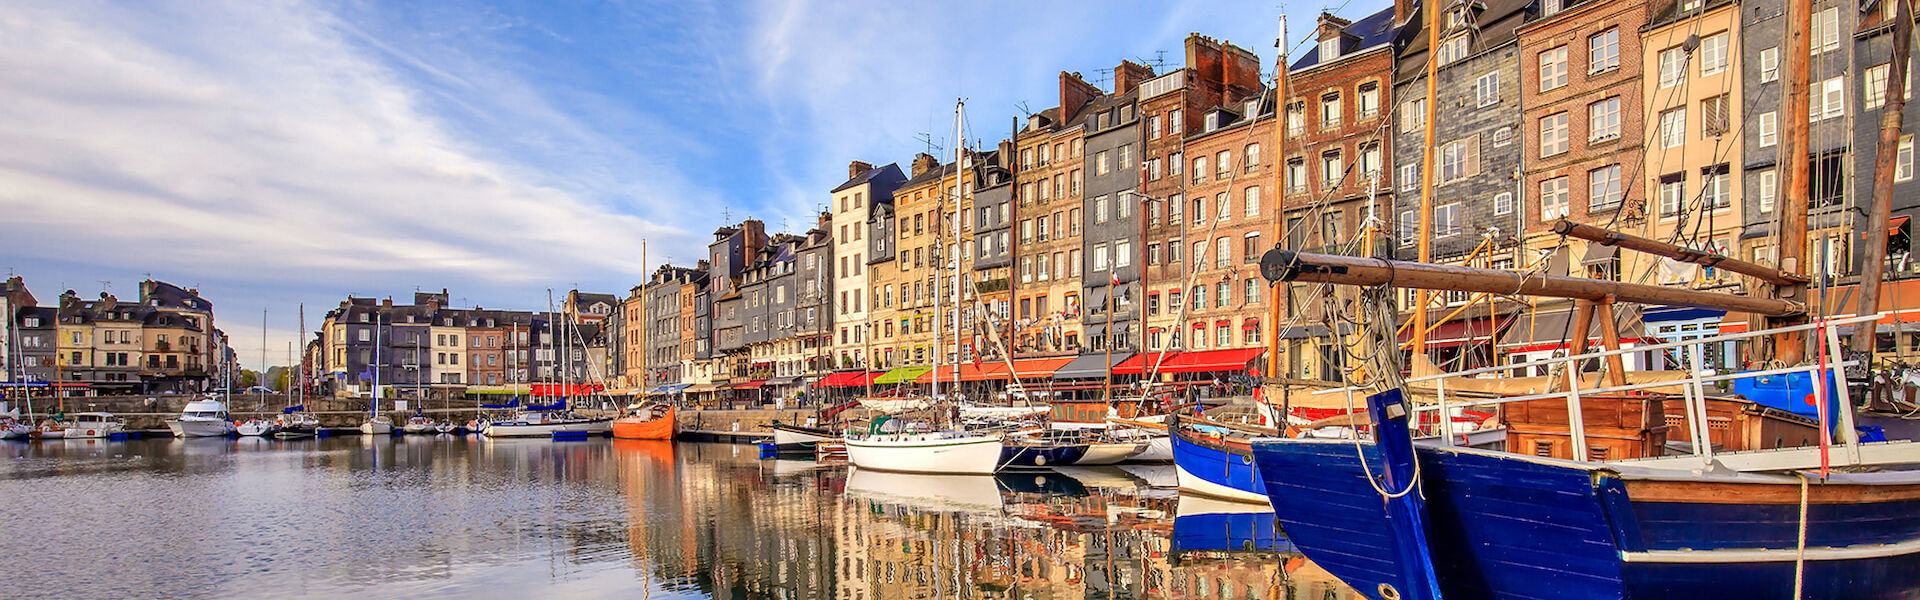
(424, 516)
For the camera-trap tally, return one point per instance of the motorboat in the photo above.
(254, 428)
(296, 425)
(418, 425)
(94, 425)
(202, 418)
(448, 428)
(12, 429)
(377, 426)
(548, 424)
(649, 422)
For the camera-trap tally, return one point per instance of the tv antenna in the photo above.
(927, 139)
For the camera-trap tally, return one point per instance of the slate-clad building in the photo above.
(1113, 245)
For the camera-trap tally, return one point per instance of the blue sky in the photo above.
(279, 152)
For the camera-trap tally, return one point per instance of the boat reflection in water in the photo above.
(468, 517)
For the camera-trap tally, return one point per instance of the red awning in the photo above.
(751, 385)
(555, 389)
(847, 379)
(1141, 362)
(981, 371)
(1250, 324)
(1211, 360)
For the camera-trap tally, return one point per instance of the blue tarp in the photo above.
(514, 404)
(293, 409)
(561, 405)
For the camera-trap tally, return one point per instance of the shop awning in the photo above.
(982, 371)
(1551, 330)
(1211, 360)
(783, 381)
(1090, 366)
(750, 385)
(703, 387)
(846, 379)
(1037, 368)
(1140, 363)
(669, 389)
(901, 375)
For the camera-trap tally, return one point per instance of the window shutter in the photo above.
(1473, 155)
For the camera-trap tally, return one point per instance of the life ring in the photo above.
(1039, 460)
(90, 432)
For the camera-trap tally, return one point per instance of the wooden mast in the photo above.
(1432, 15)
(1884, 164)
(1279, 176)
(1790, 228)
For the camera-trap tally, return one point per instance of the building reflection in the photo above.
(717, 522)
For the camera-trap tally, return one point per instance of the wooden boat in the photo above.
(789, 438)
(1036, 451)
(941, 452)
(1214, 459)
(650, 422)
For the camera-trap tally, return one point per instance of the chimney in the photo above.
(1075, 93)
(1329, 26)
(856, 168)
(924, 162)
(387, 303)
(1129, 75)
(826, 221)
(1403, 10)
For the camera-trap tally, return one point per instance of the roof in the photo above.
(932, 175)
(1374, 30)
(892, 171)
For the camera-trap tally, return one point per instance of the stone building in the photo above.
(1873, 40)
(858, 205)
(992, 253)
(813, 305)
(1114, 245)
(905, 289)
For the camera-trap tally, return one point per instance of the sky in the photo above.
(274, 153)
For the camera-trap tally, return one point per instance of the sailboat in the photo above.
(294, 420)
(556, 419)
(257, 427)
(952, 451)
(377, 424)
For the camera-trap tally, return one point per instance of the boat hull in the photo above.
(792, 438)
(1506, 526)
(1215, 469)
(1040, 455)
(927, 453)
(590, 427)
(200, 428)
(253, 429)
(646, 427)
(1110, 453)
(376, 428)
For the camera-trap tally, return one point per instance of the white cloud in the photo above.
(266, 141)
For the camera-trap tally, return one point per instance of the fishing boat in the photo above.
(1040, 451)
(789, 438)
(654, 421)
(418, 425)
(1214, 458)
(94, 425)
(202, 418)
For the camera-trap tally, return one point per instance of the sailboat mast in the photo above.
(1884, 166)
(1279, 224)
(301, 341)
(644, 321)
(1791, 227)
(373, 408)
(939, 340)
(1427, 151)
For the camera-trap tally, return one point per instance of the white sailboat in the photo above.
(376, 424)
(555, 420)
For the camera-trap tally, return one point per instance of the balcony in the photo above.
(991, 285)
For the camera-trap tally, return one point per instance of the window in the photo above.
(1330, 111)
(1673, 128)
(1153, 127)
(1199, 169)
(1603, 120)
(1903, 160)
(1410, 176)
(1296, 176)
(1446, 221)
(1486, 89)
(1553, 69)
(1826, 31)
(1769, 129)
(1369, 103)
(1174, 248)
(1251, 295)
(1100, 258)
(1153, 169)
(1714, 117)
(1176, 162)
(1100, 209)
(1330, 168)
(1122, 254)
(1673, 67)
(1673, 194)
(1553, 134)
(1502, 137)
(1223, 164)
(1296, 119)
(1253, 157)
(1250, 246)
(1715, 190)
(1174, 123)
(1100, 163)
(1224, 208)
(1768, 184)
(1503, 203)
(1329, 49)
(1769, 64)
(1876, 87)
(1460, 159)
(1713, 54)
(1453, 49)
(1251, 206)
(1828, 99)
(1153, 254)
(1603, 188)
(1413, 115)
(1554, 199)
(1409, 228)
(1603, 51)
(1332, 227)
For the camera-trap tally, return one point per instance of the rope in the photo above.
(1359, 454)
(1800, 549)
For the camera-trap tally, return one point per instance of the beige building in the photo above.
(449, 353)
(867, 195)
(1693, 157)
(1049, 184)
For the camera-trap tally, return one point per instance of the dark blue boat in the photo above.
(1039, 453)
(1211, 462)
(1509, 526)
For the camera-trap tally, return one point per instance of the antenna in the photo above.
(105, 285)
(927, 139)
(1022, 107)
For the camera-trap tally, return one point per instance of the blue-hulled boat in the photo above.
(1213, 460)
(1039, 452)
(1201, 523)
(1510, 526)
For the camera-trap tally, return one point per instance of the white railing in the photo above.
(1693, 390)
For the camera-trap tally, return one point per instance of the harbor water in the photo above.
(468, 517)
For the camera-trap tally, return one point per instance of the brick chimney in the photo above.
(826, 221)
(856, 168)
(1075, 93)
(924, 162)
(1129, 75)
(1403, 10)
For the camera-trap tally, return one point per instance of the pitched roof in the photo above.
(872, 174)
(1373, 30)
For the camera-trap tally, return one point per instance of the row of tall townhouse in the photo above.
(164, 342)
(1132, 220)
(410, 349)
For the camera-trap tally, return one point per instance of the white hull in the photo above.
(15, 432)
(1110, 453)
(376, 428)
(200, 428)
(782, 437)
(1159, 449)
(49, 434)
(418, 429)
(510, 429)
(1202, 505)
(1193, 483)
(953, 454)
(947, 493)
(253, 429)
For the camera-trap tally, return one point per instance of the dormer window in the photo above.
(1330, 49)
